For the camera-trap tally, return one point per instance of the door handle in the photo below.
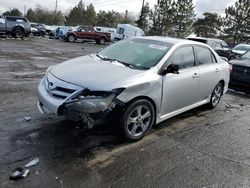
(195, 76)
(217, 70)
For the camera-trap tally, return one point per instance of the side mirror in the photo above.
(172, 68)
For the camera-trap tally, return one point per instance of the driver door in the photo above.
(179, 90)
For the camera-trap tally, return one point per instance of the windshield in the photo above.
(242, 47)
(140, 53)
(246, 55)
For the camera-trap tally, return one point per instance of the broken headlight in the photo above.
(93, 101)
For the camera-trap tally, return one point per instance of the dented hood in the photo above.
(95, 74)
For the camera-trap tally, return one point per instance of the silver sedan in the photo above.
(140, 82)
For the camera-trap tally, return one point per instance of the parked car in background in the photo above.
(240, 49)
(141, 81)
(218, 45)
(38, 29)
(89, 33)
(240, 75)
(110, 30)
(125, 31)
(17, 26)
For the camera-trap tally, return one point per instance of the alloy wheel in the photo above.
(139, 120)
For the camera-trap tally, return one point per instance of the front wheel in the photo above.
(71, 38)
(216, 95)
(18, 33)
(137, 120)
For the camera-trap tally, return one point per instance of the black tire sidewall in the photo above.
(102, 41)
(18, 31)
(71, 36)
(130, 107)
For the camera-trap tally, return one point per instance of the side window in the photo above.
(204, 55)
(2, 21)
(224, 45)
(218, 46)
(184, 57)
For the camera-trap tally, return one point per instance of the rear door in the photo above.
(179, 90)
(209, 72)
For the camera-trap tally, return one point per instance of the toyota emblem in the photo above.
(51, 86)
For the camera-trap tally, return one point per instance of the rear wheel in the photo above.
(216, 95)
(42, 33)
(137, 120)
(71, 38)
(18, 33)
(101, 41)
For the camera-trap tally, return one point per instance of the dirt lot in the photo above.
(200, 148)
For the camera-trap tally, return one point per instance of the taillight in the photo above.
(230, 68)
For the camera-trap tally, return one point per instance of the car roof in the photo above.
(171, 40)
(242, 45)
(205, 39)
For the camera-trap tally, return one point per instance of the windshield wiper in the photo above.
(115, 60)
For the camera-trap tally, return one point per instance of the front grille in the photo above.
(58, 88)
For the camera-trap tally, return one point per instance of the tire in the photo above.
(137, 120)
(216, 95)
(101, 41)
(41, 33)
(71, 38)
(18, 33)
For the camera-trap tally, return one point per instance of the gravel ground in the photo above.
(200, 148)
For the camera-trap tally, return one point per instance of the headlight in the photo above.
(48, 70)
(93, 101)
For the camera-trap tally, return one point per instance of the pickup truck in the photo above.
(89, 33)
(17, 26)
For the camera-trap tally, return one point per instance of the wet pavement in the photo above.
(200, 148)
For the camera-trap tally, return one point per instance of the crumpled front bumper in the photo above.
(47, 103)
(71, 107)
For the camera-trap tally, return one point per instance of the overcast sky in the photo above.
(133, 6)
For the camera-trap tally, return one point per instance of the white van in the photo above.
(125, 31)
(110, 30)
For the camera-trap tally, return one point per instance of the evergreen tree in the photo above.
(237, 21)
(143, 21)
(184, 17)
(208, 26)
(90, 15)
(77, 15)
(109, 19)
(13, 12)
(31, 16)
(163, 18)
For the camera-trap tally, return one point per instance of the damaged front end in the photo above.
(89, 106)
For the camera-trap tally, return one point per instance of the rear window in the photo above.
(242, 47)
(16, 19)
(120, 30)
(204, 55)
(198, 40)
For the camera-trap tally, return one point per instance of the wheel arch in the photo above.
(17, 27)
(145, 98)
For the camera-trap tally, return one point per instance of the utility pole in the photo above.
(56, 6)
(143, 1)
(24, 10)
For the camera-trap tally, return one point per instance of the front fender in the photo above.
(152, 90)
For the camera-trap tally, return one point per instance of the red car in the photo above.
(89, 33)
